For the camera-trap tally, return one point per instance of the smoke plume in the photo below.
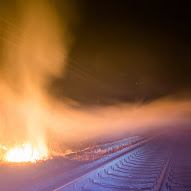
(29, 114)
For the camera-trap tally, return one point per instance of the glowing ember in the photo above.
(25, 154)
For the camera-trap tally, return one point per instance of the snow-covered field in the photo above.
(44, 173)
(134, 163)
(136, 170)
(102, 150)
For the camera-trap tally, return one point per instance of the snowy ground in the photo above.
(41, 174)
(139, 169)
(133, 163)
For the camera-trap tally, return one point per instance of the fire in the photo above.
(26, 153)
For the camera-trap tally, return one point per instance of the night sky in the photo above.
(135, 50)
(124, 50)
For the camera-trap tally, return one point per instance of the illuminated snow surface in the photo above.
(34, 176)
(139, 166)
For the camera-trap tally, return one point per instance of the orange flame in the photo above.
(26, 153)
